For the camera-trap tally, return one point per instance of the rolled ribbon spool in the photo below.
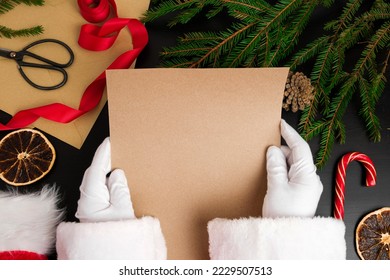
(341, 175)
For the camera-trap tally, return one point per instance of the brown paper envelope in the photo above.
(192, 143)
(61, 20)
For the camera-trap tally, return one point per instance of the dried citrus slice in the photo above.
(373, 235)
(26, 155)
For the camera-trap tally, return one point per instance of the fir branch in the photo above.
(8, 5)
(245, 49)
(9, 33)
(340, 131)
(200, 43)
(370, 94)
(310, 51)
(368, 111)
(339, 104)
(350, 10)
(331, 55)
(244, 10)
(316, 128)
(292, 32)
(215, 52)
(265, 34)
(260, 6)
(379, 40)
(338, 107)
(327, 3)
(199, 36)
(326, 144)
(170, 6)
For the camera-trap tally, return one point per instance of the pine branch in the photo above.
(311, 50)
(245, 49)
(331, 54)
(8, 5)
(340, 131)
(379, 40)
(371, 92)
(368, 111)
(327, 3)
(265, 34)
(190, 7)
(292, 33)
(331, 127)
(9, 33)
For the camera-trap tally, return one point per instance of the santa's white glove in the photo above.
(104, 198)
(292, 196)
(294, 188)
(108, 228)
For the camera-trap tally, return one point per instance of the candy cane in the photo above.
(340, 179)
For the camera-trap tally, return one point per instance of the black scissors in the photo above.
(46, 63)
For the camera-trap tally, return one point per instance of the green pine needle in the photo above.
(9, 33)
(265, 33)
(8, 5)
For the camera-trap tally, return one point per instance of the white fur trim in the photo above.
(279, 238)
(28, 221)
(136, 239)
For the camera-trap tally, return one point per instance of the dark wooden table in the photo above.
(71, 163)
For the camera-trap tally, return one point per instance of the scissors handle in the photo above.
(25, 52)
(45, 63)
(42, 66)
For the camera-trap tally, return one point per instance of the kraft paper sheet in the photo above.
(193, 143)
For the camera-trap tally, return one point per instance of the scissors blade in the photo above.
(7, 53)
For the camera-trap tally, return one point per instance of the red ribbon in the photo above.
(95, 38)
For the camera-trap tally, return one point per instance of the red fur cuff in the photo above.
(21, 255)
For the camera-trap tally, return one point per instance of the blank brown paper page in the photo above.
(193, 143)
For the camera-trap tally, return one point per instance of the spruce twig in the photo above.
(8, 5)
(11, 33)
(265, 34)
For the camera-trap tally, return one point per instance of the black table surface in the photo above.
(71, 162)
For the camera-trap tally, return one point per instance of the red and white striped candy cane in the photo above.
(340, 179)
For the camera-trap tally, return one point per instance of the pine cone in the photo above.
(298, 92)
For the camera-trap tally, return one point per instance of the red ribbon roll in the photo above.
(341, 175)
(95, 11)
(95, 38)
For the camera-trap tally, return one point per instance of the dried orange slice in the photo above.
(373, 235)
(26, 156)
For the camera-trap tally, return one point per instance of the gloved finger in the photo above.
(299, 147)
(93, 191)
(96, 173)
(120, 194)
(101, 162)
(87, 209)
(287, 153)
(276, 167)
(301, 157)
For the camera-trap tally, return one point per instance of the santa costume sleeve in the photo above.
(288, 229)
(317, 238)
(108, 227)
(132, 239)
(28, 224)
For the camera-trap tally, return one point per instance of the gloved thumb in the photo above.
(120, 193)
(276, 167)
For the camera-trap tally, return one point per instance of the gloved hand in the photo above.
(104, 199)
(294, 188)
